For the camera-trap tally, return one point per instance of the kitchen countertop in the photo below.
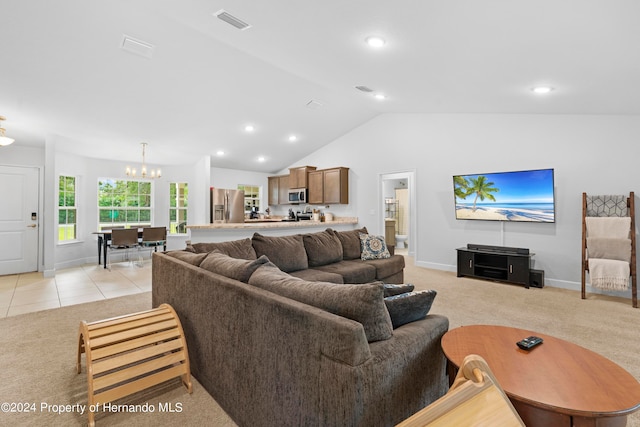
(274, 223)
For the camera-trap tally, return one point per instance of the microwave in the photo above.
(298, 195)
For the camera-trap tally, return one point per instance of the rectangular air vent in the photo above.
(313, 104)
(231, 20)
(137, 46)
(364, 89)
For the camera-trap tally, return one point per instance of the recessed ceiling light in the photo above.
(375, 41)
(261, 159)
(542, 90)
(249, 128)
(380, 96)
(219, 153)
(292, 138)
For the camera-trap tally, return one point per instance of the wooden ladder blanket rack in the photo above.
(130, 353)
(608, 211)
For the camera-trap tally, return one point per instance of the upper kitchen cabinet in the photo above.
(329, 186)
(278, 190)
(298, 176)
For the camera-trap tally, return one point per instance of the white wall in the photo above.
(594, 154)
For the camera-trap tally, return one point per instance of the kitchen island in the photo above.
(222, 232)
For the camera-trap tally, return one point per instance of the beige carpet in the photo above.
(38, 350)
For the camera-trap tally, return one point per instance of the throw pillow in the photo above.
(241, 249)
(287, 252)
(373, 247)
(238, 269)
(409, 307)
(392, 290)
(186, 256)
(362, 303)
(322, 248)
(350, 242)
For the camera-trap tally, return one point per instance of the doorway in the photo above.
(398, 207)
(19, 219)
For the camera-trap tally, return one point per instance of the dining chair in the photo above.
(122, 239)
(152, 237)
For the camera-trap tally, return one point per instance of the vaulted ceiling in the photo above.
(64, 71)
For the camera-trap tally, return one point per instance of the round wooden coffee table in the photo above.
(556, 383)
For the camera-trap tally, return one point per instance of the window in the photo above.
(251, 197)
(67, 226)
(123, 203)
(178, 197)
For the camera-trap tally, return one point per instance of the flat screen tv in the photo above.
(526, 196)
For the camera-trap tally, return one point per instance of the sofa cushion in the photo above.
(362, 303)
(351, 271)
(409, 307)
(392, 290)
(188, 256)
(322, 248)
(373, 247)
(234, 268)
(314, 275)
(388, 266)
(242, 248)
(351, 242)
(287, 252)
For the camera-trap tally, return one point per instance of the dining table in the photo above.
(104, 237)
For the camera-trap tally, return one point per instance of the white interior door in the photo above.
(19, 218)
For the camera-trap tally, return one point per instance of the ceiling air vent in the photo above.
(313, 104)
(137, 47)
(364, 89)
(231, 20)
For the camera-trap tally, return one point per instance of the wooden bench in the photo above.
(130, 353)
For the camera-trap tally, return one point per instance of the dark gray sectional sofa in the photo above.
(300, 348)
(327, 256)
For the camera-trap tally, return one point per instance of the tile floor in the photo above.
(24, 293)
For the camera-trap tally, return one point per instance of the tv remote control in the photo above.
(529, 342)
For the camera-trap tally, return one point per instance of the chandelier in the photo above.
(4, 140)
(154, 173)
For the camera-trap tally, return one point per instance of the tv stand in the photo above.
(498, 263)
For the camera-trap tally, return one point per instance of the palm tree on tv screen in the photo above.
(461, 187)
(482, 189)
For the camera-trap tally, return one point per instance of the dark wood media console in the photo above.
(500, 263)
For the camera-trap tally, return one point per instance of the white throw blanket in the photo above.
(609, 274)
(613, 227)
(602, 247)
(607, 242)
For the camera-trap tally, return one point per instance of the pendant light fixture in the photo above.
(4, 140)
(154, 173)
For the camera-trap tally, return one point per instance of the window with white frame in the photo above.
(124, 203)
(178, 203)
(67, 209)
(251, 197)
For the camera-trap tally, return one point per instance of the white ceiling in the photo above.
(63, 72)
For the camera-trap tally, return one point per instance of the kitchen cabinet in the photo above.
(298, 176)
(329, 186)
(283, 190)
(316, 188)
(278, 190)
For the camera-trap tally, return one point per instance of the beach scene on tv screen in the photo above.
(506, 196)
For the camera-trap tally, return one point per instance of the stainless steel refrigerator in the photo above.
(227, 205)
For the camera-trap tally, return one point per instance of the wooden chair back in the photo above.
(475, 398)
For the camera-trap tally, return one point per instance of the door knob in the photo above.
(32, 225)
